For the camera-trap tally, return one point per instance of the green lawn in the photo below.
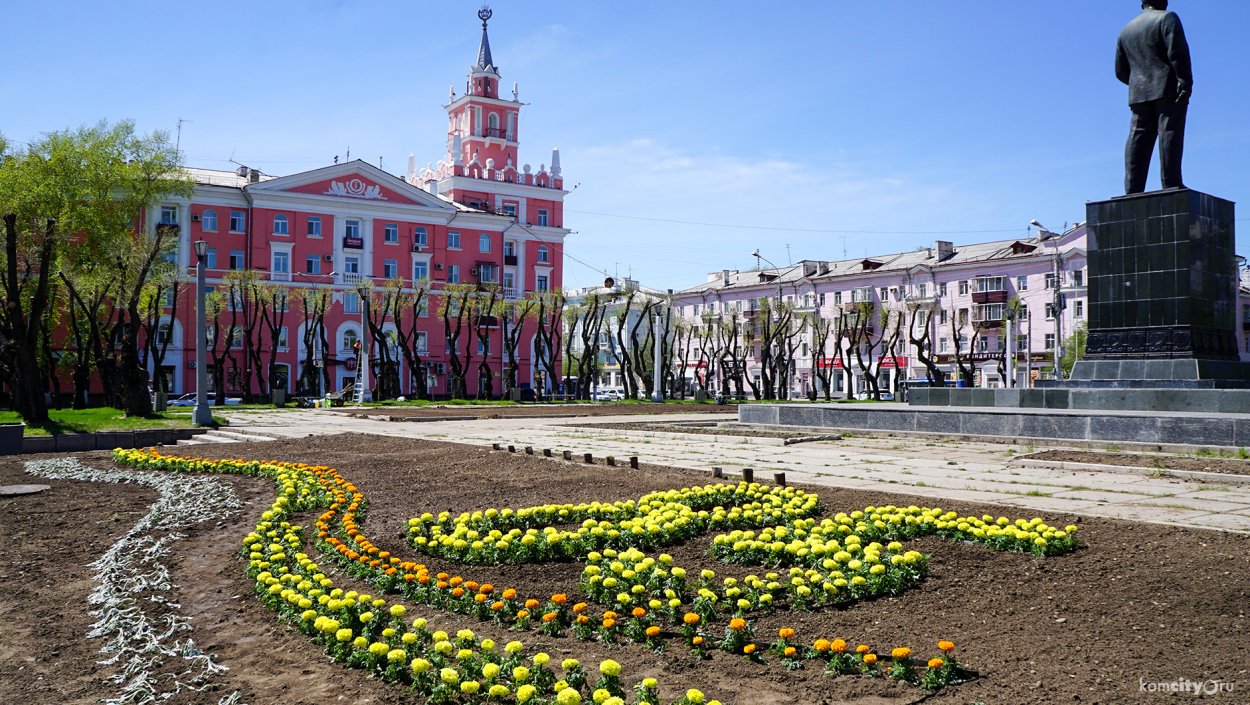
(102, 419)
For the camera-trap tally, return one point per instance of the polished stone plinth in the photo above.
(1162, 277)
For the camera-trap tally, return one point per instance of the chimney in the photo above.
(944, 249)
(724, 276)
(823, 268)
(253, 176)
(809, 268)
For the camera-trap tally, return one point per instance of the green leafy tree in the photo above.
(1073, 349)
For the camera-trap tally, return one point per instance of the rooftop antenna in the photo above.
(349, 154)
(379, 161)
(788, 257)
(178, 141)
(843, 246)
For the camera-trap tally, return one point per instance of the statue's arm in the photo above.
(1178, 54)
(1121, 63)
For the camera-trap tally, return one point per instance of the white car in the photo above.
(885, 396)
(609, 395)
(189, 400)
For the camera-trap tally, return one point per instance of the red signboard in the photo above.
(891, 361)
(825, 363)
(886, 363)
(350, 364)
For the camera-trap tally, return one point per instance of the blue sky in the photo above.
(696, 132)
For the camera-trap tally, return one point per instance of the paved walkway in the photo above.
(953, 470)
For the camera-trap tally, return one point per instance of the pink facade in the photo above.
(477, 220)
(961, 294)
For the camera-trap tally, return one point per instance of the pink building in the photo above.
(988, 307)
(475, 218)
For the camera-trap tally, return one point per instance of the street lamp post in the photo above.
(202, 414)
(1058, 303)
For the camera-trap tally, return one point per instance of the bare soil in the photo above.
(1137, 603)
(729, 411)
(1154, 461)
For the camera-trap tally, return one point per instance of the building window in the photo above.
(509, 288)
(281, 265)
(169, 215)
(1078, 308)
(314, 226)
(238, 221)
(420, 270)
(1022, 283)
(423, 342)
(390, 233)
(349, 339)
(280, 225)
(922, 291)
(944, 345)
(837, 298)
(1050, 341)
(236, 337)
(942, 317)
(236, 259)
(312, 265)
(509, 209)
(542, 254)
(963, 287)
(542, 216)
(483, 243)
(390, 269)
(453, 274)
(509, 248)
(453, 240)
(541, 283)
(419, 237)
(1050, 280)
(282, 339)
(351, 302)
(487, 273)
(942, 289)
(208, 221)
(1050, 312)
(1078, 277)
(984, 284)
(351, 265)
(210, 258)
(351, 228)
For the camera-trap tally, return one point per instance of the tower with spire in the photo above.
(481, 168)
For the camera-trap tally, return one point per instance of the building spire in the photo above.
(484, 61)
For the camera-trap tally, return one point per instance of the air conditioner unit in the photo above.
(195, 218)
(475, 271)
(328, 258)
(440, 368)
(416, 248)
(438, 265)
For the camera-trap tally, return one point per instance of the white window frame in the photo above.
(483, 243)
(242, 259)
(420, 236)
(208, 220)
(238, 218)
(315, 261)
(424, 265)
(281, 225)
(453, 274)
(280, 254)
(390, 233)
(350, 226)
(543, 254)
(390, 268)
(453, 239)
(542, 217)
(313, 226)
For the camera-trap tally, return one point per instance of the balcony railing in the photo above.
(496, 132)
(989, 297)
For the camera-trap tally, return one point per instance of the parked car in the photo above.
(608, 394)
(884, 396)
(189, 400)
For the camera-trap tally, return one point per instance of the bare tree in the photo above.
(407, 309)
(514, 316)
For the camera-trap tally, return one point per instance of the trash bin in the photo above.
(278, 395)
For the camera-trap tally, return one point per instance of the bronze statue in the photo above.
(1152, 59)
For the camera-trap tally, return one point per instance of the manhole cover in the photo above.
(12, 490)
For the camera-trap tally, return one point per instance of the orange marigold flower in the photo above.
(531, 603)
(821, 645)
(749, 649)
(610, 615)
(697, 641)
(691, 618)
(456, 581)
(639, 613)
(839, 645)
(442, 576)
(480, 598)
(946, 646)
(579, 608)
(737, 624)
(458, 592)
(496, 606)
(862, 649)
(936, 663)
(486, 588)
(870, 659)
(653, 631)
(785, 633)
(900, 652)
(509, 594)
(522, 614)
(583, 619)
(470, 585)
(441, 585)
(608, 623)
(788, 652)
(559, 598)
(549, 617)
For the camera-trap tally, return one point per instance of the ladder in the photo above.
(358, 391)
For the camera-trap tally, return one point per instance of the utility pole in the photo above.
(657, 379)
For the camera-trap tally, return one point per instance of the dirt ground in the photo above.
(1191, 463)
(729, 411)
(1138, 603)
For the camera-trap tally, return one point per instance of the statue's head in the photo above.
(1156, 4)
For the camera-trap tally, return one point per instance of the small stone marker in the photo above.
(511, 449)
(633, 461)
(16, 490)
(529, 450)
(547, 452)
(718, 472)
(610, 460)
(589, 458)
(780, 479)
(496, 446)
(748, 475)
(568, 455)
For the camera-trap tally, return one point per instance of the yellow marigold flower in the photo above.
(610, 668)
(839, 645)
(900, 652)
(785, 633)
(936, 663)
(946, 646)
(498, 692)
(691, 618)
(694, 696)
(737, 624)
(470, 687)
(697, 641)
(449, 676)
(749, 649)
(789, 651)
(653, 631)
(870, 659)
(862, 649)
(821, 645)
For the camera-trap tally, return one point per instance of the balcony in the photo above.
(989, 297)
(498, 133)
(509, 292)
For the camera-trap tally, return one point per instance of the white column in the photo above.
(366, 231)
